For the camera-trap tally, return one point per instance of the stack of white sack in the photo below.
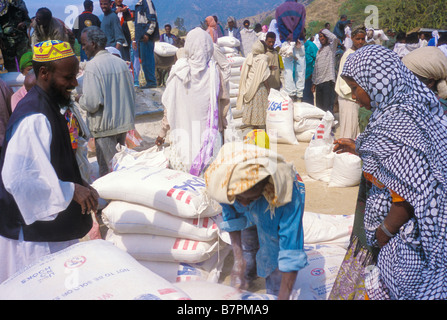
(165, 220)
(165, 49)
(88, 270)
(306, 118)
(339, 170)
(230, 47)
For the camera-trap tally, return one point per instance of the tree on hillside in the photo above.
(410, 14)
(398, 14)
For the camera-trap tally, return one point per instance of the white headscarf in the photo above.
(191, 102)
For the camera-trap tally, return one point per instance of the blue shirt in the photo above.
(280, 236)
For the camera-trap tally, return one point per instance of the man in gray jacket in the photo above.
(108, 97)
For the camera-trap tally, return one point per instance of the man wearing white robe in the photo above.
(31, 178)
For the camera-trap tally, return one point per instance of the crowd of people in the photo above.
(392, 113)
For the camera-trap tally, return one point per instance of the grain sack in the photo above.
(89, 270)
(303, 110)
(319, 157)
(279, 118)
(315, 281)
(127, 157)
(305, 136)
(179, 193)
(305, 124)
(208, 270)
(234, 86)
(125, 217)
(234, 92)
(346, 171)
(235, 71)
(201, 290)
(319, 161)
(160, 248)
(235, 61)
(329, 229)
(229, 50)
(165, 49)
(228, 41)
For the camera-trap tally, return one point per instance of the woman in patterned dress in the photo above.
(254, 87)
(404, 153)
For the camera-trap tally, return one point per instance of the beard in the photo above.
(58, 96)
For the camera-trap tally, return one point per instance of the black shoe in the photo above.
(294, 98)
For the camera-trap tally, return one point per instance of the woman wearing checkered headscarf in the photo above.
(404, 153)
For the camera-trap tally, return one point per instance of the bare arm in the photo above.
(287, 281)
(400, 213)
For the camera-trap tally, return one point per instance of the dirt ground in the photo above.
(319, 197)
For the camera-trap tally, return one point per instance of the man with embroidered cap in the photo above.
(44, 203)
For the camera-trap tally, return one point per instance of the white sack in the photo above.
(165, 49)
(229, 50)
(319, 161)
(179, 193)
(234, 85)
(305, 124)
(236, 71)
(279, 118)
(303, 110)
(208, 270)
(152, 157)
(159, 248)
(89, 270)
(125, 217)
(315, 281)
(235, 61)
(347, 170)
(228, 41)
(305, 136)
(329, 229)
(234, 92)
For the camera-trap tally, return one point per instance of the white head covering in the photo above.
(191, 102)
(430, 63)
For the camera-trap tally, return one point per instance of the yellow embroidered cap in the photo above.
(52, 50)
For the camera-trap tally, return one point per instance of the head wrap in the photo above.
(430, 63)
(26, 60)
(240, 166)
(232, 19)
(404, 146)
(255, 71)
(52, 50)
